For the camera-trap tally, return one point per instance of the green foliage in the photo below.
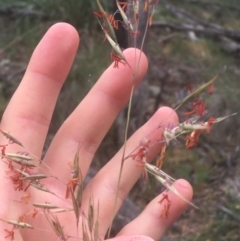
(221, 226)
(76, 12)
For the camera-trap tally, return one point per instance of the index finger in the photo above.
(29, 112)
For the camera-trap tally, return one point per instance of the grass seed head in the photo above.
(41, 188)
(55, 224)
(19, 157)
(125, 18)
(75, 207)
(19, 224)
(11, 138)
(21, 162)
(115, 47)
(45, 205)
(196, 93)
(76, 167)
(34, 177)
(108, 26)
(90, 214)
(169, 135)
(96, 226)
(85, 232)
(166, 181)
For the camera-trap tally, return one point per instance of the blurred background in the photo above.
(189, 42)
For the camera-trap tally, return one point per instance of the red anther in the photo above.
(141, 153)
(192, 139)
(34, 213)
(189, 86)
(150, 20)
(210, 90)
(3, 149)
(22, 218)
(134, 33)
(116, 59)
(71, 185)
(26, 197)
(164, 197)
(145, 5)
(17, 182)
(108, 16)
(10, 234)
(209, 123)
(198, 108)
(165, 211)
(10, 165)
(159, 161)
(123, 5)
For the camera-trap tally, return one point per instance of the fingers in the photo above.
(154, 220)
(29, 112)
(130, 238)
(90, 121)
(105, 184)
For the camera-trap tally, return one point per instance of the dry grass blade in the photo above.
(34, 177)
(96, 227)
(108, 25)
(41, 188)
(90, 214)
(11, 138)
(85, 232)
(75, 207)
(61, 210)
(155, 171)
(75, 168)
(55, 224)
(219, 119)
(79, 192)
(196, 92)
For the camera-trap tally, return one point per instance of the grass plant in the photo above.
(26, 171)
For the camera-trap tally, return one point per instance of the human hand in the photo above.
(27, 118)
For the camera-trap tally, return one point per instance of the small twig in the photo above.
(229, 212)
(18, 11)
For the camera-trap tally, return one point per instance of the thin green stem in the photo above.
(127, 127)
(123, 157)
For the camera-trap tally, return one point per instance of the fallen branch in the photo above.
(199, 29)
(196, 24)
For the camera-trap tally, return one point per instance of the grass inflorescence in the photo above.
(27, 171)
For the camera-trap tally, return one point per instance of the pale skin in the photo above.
(28, 116)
